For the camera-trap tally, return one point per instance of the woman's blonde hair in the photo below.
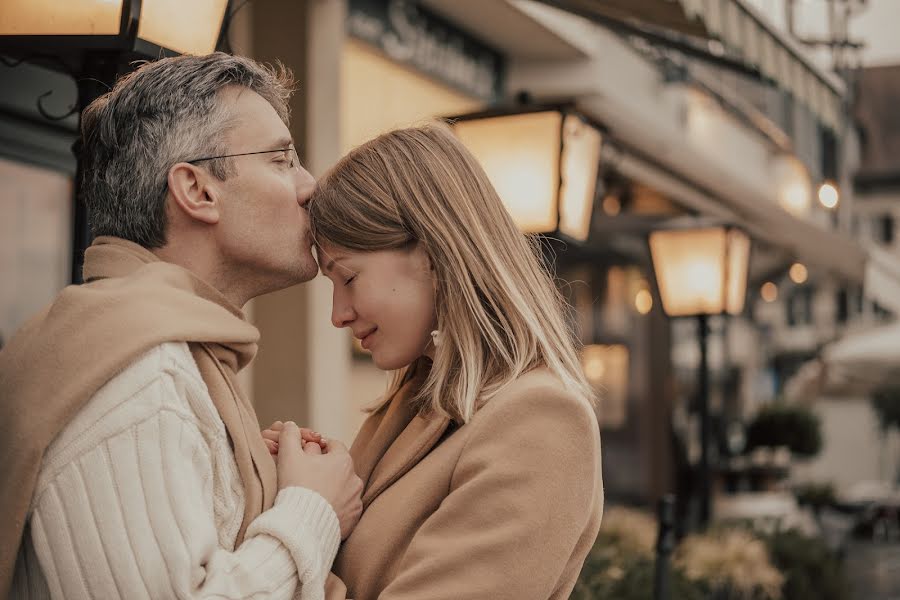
(498, 311)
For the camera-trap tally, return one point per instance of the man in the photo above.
(132, 465)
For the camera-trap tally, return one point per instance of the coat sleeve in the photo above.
(523, 493)
(133, 517)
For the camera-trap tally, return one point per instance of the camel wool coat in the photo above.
(505, 506)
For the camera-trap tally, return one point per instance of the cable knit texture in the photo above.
(140, 497)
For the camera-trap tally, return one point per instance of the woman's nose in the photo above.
(341, 315)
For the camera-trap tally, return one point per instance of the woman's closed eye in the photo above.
(350, 279)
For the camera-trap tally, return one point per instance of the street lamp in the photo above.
(829, 196)
(95, 41)
(543, 162)
(144, 27)
(794, 188)
(701, 271)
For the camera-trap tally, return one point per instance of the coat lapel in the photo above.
(417, 440)
(392, 441)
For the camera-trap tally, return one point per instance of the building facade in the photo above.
(685, 135)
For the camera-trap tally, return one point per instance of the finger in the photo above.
(276, 426)
(289, 438)
(309, 435)
(270, 434)
(272, 447)
(312, 448)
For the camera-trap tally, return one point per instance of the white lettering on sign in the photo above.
(406, 38)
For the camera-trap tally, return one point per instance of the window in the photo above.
(829, 153)
(799, 307)
(884, 228)
(843, 306)
(849, 304)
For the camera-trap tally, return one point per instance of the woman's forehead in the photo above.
(331, 257)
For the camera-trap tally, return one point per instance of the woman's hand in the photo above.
(270, 437)
(329, 474)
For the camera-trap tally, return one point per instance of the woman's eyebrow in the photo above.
(332, 261)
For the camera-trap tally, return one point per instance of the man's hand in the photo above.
(331, 475)
(270, 437)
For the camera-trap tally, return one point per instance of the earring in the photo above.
(436, 338)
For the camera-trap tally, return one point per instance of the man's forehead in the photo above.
(253, 119)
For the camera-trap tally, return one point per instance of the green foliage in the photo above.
(811, 570)
(621, 563)
(732, 562)
(815, 495)
(886, 402)
(630, 579)
(781, 424)
(719, 564)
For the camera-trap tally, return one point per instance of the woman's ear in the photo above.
(421, 257)
(193, 193)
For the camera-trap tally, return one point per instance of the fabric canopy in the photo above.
(745, 35)
(854, 365)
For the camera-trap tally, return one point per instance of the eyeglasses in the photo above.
(291, 152)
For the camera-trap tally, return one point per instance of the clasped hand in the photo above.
(305, 459)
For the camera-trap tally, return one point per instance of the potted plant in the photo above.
(731, 563)
(810, 568)
(778, 432)
(622, 562)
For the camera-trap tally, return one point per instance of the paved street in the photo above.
(874, 570)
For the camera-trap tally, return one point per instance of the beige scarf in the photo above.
(131, 302)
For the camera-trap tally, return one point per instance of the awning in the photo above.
(854, 365)
(520, 38)
(766, 222)
(745, 34)
(710, 191)
(882, 279)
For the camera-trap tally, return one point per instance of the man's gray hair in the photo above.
(165, 112)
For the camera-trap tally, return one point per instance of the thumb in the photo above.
(336, 446)
(289, 439)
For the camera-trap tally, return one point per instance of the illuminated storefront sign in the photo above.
(412, 35)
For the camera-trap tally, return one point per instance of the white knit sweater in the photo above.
(140, 497)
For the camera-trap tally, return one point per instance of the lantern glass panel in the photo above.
(55, 17)
(580, 162)
(738, 264)
(520, 154)
(690, 270)
(185, 27)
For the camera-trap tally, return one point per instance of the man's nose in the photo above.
(306, 185)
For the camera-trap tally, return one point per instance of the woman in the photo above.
(482, 460)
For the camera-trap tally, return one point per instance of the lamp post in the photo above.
(701, 271)
(95, 41)
(542, 160)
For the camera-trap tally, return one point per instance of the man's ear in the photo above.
(193, 193)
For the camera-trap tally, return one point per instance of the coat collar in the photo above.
(394, 440)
